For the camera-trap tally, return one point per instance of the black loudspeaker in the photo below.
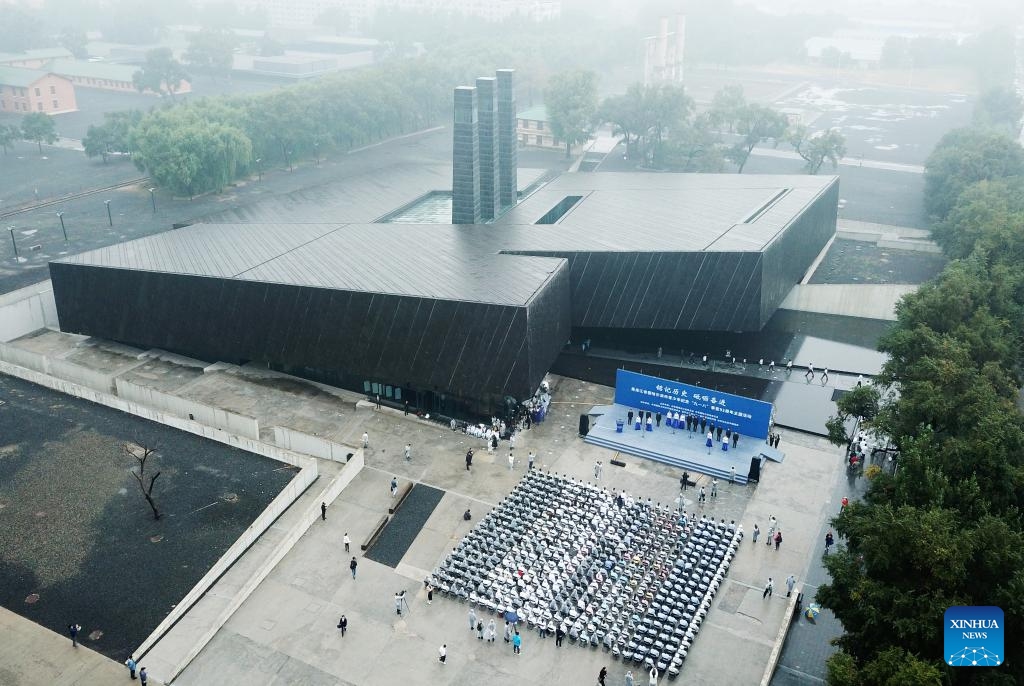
(584, 424)
(755, 470)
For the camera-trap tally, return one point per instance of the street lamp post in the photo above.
(13, 242)
(110, 219)
(60, 216)
(259, 167)
(316, 153)
(152, 199)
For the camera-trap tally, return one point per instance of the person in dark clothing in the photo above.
(629, 417)
(735, 438)
(683, 480)
(718, 433)
(73, 630)
(343, 624)
(469, 459)
(703, 424)
(657, 419)
(601, 675)
(559, 635)
(323, 511)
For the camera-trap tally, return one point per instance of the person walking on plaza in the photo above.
(143, 676)
(323, 512)
(710, 441)
(771, 529)
(343, 625)
(790, 584)
(829, 540)
(492, 631)
(408, 452)
(597, 470)
(366, 440)
(735, 438)
(469, 459)
(683, 481)
(629, 418)
(472, 619)
(347, 541)
(529, 461)
(398, 604)
(130, 663)
(629, 678)
(604, 671)
(479, 630)
(517, 643)
(511, 461)
(778, 539)
(394, 486)
(714, 487)
(430, 594)
(769, 588)
(810, 372)
(352, 566)
(377, 401)
(757, 532)
(652, 676)
(718, 433)
(559, 636)
(442, 653)
(657, 419)
(701, 497)
(73, 630)
(508, 632)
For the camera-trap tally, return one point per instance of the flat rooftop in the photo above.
(429, 261)
(487, 263)
(652, 212)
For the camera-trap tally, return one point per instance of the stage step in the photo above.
(672, 460)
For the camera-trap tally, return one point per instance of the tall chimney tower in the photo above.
(487, 117)
(465, 159)
(508, 163)
(680, 41)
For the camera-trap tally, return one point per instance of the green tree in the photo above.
(571, 100)
(668, 110)
(160, 73)
(114, 135)
(626, 113)
(8, 134)
(999, 108)
(20, 29)
(694, 147)
(962, 158)
(989, 216)
(756, 124)
(39, 128)
(817, 147)
(74, 40)
(861, 404)
(726, 106)
(211, 51)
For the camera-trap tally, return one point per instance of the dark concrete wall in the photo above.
(477, 352)
(788, 257)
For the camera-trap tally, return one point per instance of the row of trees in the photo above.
(947, 529)
(204, 144)
(660, 125)
(35, 127)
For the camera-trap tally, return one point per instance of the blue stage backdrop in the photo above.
(748, 416)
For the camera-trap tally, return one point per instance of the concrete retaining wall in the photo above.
(311, 514)
(62, 369)
(310, 445)
(189, 410)
(26, 310)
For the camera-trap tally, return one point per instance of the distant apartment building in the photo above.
(32, 90)
(533, 130)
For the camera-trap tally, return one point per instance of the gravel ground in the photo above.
(405, 526)
(857, 262)
(78, 541)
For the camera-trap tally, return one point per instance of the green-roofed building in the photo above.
(533, 129)
(35, 90)
(115, 77)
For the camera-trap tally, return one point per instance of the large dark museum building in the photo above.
(458, 317)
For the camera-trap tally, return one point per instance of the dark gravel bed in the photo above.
(78, 543)
(405, 526)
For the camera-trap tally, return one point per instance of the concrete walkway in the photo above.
(846, 161)
(868, 301)
(33, 656)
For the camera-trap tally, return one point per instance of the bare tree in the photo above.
(141, 453)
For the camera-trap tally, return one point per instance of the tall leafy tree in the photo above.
(39, 128)
(8, 134)
(861, 404)
(817, 147)
(160, 73)
(999, 108)
(211, 51)
(726, 106)
(571, 101)
(756, 124)
(964, 157)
